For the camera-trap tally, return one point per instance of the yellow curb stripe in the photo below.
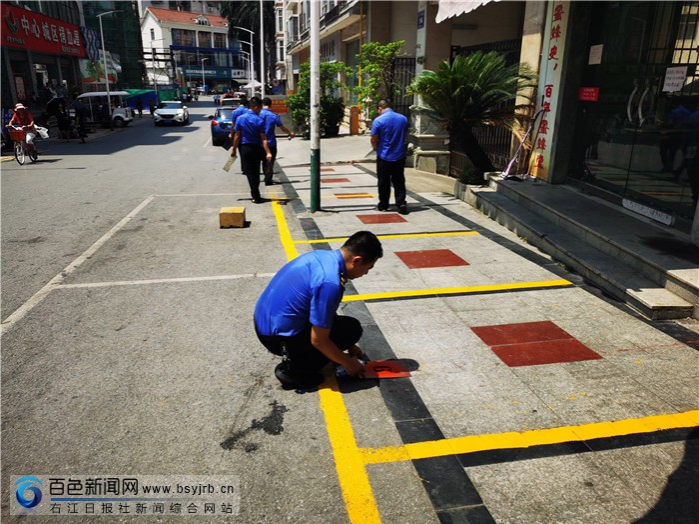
(284, 233)
(456, 290)
(351, 471)
(525, 439)
(393, 237)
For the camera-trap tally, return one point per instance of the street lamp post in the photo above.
(203, 80)
(252, 56)
(106, 74)
(262, 48)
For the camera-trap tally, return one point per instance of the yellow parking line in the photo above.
(392, 237)
(351, 471)
(525, 439)
(456, 290)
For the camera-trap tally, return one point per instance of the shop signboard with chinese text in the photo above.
(550, 84)
(36, 32)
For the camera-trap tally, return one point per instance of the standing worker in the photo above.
(242, 108)
(272, 121)
(250, 137)
(388, 140)
(296, 315)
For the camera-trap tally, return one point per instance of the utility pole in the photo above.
(315, 105)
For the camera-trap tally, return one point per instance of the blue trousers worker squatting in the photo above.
(296, 315)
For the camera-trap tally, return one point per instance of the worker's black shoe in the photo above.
(295, 380)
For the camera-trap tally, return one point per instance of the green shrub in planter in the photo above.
(472, 176)
(332, 107)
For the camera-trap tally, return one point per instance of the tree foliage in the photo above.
(474, 90)
(332, 106)
(246, 13)
(377, 61)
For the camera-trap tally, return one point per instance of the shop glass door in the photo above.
(639, 139)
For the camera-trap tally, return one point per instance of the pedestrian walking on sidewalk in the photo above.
(272, 121)
(388, 133)
(251, 139)
(296, 315)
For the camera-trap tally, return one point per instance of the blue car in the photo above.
(221, 125)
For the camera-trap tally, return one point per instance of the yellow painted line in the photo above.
(456, 290)
(351, 470)
(391, 237)
(525, 439)
(284, 233)
(355, 195)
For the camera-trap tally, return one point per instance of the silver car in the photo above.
(171, 112)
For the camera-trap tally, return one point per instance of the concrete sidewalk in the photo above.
(533, 398)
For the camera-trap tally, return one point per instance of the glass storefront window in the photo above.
(640, 139)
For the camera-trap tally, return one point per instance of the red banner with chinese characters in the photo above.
(36, 32)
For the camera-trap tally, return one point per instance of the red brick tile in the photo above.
(382, 218)
(431, 258)
(544, 352)
(520, 333)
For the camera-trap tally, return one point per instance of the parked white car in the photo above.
(171, 112)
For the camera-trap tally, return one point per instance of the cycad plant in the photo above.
(474, 90)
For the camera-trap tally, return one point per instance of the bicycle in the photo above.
(22, 149)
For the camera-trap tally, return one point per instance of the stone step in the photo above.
(608, 272)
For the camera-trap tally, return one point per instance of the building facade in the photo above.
(42, 45)
(190, 49)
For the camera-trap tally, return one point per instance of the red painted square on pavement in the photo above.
(327, 170)
(520, 333)
(382, 218)
(544, 352)
(533, 343)
(431, 258)
(333, 180)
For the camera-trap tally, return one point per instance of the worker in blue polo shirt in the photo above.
(388, 140)
(296, 315)
(272, 121)
(250, 138)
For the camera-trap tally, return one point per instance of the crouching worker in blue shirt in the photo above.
(295, 317)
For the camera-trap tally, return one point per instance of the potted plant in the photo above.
(332, 106)
(332, 112)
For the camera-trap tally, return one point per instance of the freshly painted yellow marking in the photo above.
(355, 195)
(525, 439)
(456, 290)
(351, 471)
(284, 233)
(392, 237)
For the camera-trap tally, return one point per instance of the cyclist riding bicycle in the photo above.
(24, 119)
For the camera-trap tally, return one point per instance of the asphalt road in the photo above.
(128, 351)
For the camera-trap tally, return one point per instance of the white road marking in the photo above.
(163, 281)
(58, 279)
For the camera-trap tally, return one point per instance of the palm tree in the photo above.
(246, 13)
(474, 90)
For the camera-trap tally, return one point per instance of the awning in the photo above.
(449, 8)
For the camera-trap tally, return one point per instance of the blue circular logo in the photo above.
(28, 494)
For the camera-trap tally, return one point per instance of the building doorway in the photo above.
(637, 143)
